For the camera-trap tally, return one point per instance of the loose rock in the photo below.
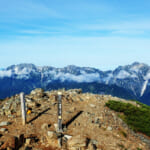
(4, 123)
(109, 128)
(3, 129)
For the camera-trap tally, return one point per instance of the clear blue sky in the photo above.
(95, 33)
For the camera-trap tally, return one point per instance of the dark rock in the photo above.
(28, 148)
(1, 143)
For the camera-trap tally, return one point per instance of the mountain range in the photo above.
(129, 82)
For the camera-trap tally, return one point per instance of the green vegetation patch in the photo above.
(138, 118)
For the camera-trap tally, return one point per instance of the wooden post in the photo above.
(59, 112)
(23, 108)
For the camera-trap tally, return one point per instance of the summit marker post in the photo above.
(59, 112)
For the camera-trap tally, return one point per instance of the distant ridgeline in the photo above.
(129, 82)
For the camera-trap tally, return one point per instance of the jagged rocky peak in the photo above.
(46, 68)
(136, 66)
(20, 71)
(76, 70)
(135, 70)
(72, 69)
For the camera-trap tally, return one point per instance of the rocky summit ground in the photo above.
(87, 123)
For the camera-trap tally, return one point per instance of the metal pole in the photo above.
(60, 112)
(23, 108)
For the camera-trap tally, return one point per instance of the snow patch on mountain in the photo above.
(145, 84)
(144, 87)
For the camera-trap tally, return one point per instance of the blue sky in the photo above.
(95, 33)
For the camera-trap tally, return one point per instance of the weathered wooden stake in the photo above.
(59, 112)
(23, 108)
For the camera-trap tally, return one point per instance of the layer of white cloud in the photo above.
(5, 73)
(84, 77)
(124, 74)
(20, 74)
(22, 71)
